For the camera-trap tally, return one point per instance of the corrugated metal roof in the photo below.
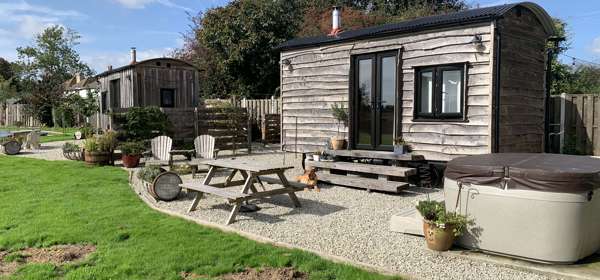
(456, 18)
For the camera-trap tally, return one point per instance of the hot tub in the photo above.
(539, 207)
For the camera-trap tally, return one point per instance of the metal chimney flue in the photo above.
(336, 21)
(109, 67)
(133, 55)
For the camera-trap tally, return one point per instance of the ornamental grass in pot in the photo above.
(441, 227)
(132, 152)
(341, 115)
(99, 149)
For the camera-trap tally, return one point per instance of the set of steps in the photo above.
(327, 169)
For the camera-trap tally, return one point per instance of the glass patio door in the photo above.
(374, 101)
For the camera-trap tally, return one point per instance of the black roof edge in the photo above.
(472, 16)
(124, 67)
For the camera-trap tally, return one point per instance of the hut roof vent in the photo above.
(133, 56)
(336, 21)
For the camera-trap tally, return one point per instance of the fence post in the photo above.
(563, 128)
(249, 134)
(195, 122)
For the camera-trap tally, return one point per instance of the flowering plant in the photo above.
(435, 212)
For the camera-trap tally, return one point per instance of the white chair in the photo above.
(160, 148)
(204, 147)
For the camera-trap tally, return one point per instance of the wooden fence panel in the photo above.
(17, 115)
(230, 129)
(576, 119)
(271, 128)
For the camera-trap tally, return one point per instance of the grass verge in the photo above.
(58, 133)
(47, 203)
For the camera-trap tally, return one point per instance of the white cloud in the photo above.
(596, 46)
(21, 21)
(140, 4)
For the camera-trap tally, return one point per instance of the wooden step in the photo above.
(375, 155)
(364, 168)
(229, 194)
(363, 183)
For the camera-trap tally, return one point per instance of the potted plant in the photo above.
(340, 113)
(99, 149)
(400, 146)
(72, 151)
(132, 152)
(441, 227)
(148, 174)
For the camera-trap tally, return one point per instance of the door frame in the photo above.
(375, 92)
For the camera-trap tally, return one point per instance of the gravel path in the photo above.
(345, 222)
(339, 221)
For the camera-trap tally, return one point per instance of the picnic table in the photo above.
(253, 172)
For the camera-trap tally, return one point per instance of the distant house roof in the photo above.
(85, 83)
(119, 69)
(456, 18)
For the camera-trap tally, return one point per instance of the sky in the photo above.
(109, 28)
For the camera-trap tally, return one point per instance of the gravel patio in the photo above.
(348, 223)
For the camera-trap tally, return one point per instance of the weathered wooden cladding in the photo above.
(319, 77)
(521, 82)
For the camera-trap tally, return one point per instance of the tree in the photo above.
(6, 69)
(45, 66)
(241, 38)
(234, 46)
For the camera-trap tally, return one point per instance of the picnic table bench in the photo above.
(253, 172)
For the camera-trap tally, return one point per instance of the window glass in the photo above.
(426, 105)
(388, 99)
(365, 84)
(451, 91)
(167, 97)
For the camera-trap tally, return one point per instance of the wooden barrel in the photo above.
(166, 186)
(12, 147)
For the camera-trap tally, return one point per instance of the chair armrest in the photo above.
(216, 152)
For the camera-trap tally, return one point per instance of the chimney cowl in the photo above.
(133, 55)
(336, 21)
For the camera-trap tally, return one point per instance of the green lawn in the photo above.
(47, 203)
(61, 135)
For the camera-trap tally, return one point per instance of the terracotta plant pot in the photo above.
(130, 161)
(438, 239)
(97, 158)
(338, 143)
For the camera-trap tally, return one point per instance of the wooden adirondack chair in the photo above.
(160, 151)
(204, 146)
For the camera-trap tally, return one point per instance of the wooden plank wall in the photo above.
(522, 82)
(319, 77)
(579, 123)
(126, 85)
(150, 79)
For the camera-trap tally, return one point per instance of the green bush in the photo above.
(142, 123)
(101, 143)
(149, 173)
(132, 148)
(70, 147)
(87, 131)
